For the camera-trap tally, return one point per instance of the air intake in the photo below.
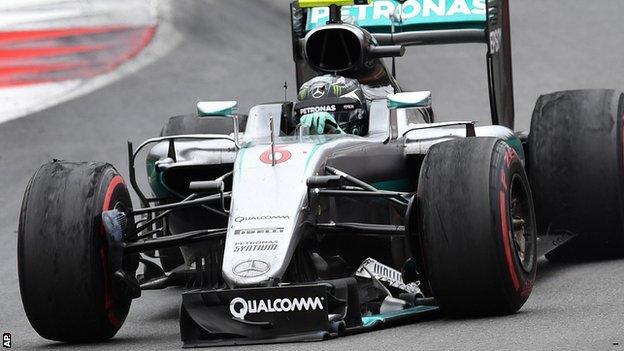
(335, 48)
(338, 48)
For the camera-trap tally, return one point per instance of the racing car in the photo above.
(281, 234)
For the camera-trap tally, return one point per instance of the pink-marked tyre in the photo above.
(62, 254)
(477, 227)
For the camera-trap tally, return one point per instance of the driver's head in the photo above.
(337, 100)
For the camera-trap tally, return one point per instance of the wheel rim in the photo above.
(522, 233)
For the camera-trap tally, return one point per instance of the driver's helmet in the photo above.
(341, 97)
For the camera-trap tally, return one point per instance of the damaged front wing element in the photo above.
(288, 313)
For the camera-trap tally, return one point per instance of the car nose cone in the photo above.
(251, 268)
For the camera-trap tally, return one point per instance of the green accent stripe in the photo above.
(320, 3)
(312, 152)
(393, 185)
(516, 144)
(379, 319)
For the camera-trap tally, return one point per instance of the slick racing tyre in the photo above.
(477, 227)
(62, 252)
(576, 155)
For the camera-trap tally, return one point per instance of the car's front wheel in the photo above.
(477, 227)
(66, 285)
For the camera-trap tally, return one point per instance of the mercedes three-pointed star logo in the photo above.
(318, 91)
(251, 268)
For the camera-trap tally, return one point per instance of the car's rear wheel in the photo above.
(66, 285)
(576, 151)
(477, 227)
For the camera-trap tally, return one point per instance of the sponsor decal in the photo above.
(251, 268)
(318, 92)
(239, 307)
(327, 108)
(281, 155)
(336, 89)
(313, 109)
(302, 93)
(385, 274)
(414, 12)
(259, 231)
(495, 40)
(259, 218)
(258, 245)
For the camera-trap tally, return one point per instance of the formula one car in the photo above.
(281, 235)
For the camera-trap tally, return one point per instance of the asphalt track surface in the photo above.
(241, 49)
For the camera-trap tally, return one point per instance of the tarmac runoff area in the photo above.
(53, 51)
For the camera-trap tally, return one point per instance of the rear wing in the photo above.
(428, 22)
(417, 15)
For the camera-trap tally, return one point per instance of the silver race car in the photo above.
(347, 210)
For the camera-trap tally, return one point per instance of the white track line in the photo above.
(51, 14)
(20, 101)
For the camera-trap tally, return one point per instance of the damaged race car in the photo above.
(345, 211)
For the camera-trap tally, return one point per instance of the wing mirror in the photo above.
(221, 109)
(217, 108)
(415, 99)
(407, 100)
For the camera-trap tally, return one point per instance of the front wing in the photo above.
(290, 313)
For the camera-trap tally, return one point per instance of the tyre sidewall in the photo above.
(505, 166)
(111, 191)
(62, 252)
(464, 209)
